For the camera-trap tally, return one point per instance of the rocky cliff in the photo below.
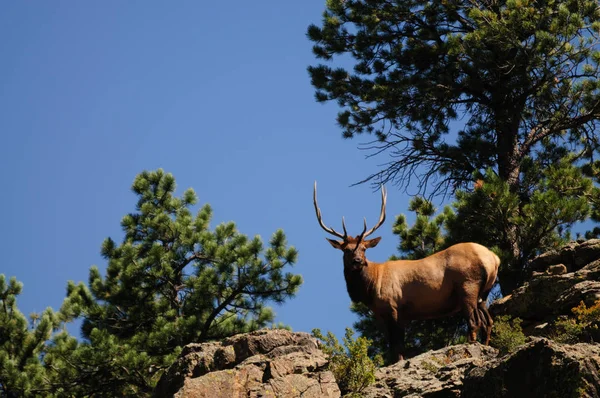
(266, 363)
(559, 281)
(279, 363)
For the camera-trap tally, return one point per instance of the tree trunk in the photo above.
(509, 168)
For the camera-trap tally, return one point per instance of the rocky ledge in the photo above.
(265, 363)
(437, 373)
(541, 368)
(550, 294)
(279, 363)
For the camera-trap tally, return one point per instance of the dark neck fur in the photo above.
(360, 287)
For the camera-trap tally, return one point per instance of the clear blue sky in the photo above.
(217, 93)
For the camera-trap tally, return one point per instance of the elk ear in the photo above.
(335, 243)
(372, 242)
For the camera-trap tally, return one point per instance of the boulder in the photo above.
(574, 255)
(537, 299)
(278, 363)
(265, 363)
(433, 374)
(548, 295)
(541, 368)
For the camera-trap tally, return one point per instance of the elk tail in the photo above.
(483, 293)
(482, 312)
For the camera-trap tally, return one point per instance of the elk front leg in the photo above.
(395, 335)
(393, 331)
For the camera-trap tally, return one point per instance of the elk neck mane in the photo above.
(361, 283)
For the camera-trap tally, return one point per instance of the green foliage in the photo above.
(520, 70)
(103, 364)
(425, 236)
(430, 367)
(582, 328)
(592, 170)
(22, 343)
(353, 369)
(172, 281)
(543, 215)
(368, 328)
(508, 93)
(507, 334)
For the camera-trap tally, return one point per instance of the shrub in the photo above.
(582, 328)
(507, 334)
(349, 363)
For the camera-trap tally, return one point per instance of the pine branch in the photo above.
(216, 311)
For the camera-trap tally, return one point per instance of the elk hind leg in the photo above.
(471, 311)
(488, 321)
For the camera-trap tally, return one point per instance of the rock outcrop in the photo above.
(265, 363)
(541, 368)
(279, 363)
(437, 373)
(548, 294)
(573, 255)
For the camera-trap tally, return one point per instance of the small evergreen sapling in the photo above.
(350, 363)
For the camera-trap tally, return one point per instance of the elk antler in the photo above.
(366, 233)
(330, 230)
(362, 234)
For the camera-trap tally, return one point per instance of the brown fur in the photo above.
(456, 279)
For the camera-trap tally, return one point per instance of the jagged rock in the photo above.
(541, 368)
(551, 291)
(573, 255)
(551, 294)
(279, 363)
(586, 291)
(433, 374)
(591, 271)
(265, 363)
(537, 299)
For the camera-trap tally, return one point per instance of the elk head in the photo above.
(353, 247)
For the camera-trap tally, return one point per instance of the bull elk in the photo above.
(458, 278)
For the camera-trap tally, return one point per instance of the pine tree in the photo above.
(559, 196)
(172, 281)
(499, 90)
(592, 170)
(425, 237)
(22, 343)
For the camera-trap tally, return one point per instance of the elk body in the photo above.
(457, 279)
